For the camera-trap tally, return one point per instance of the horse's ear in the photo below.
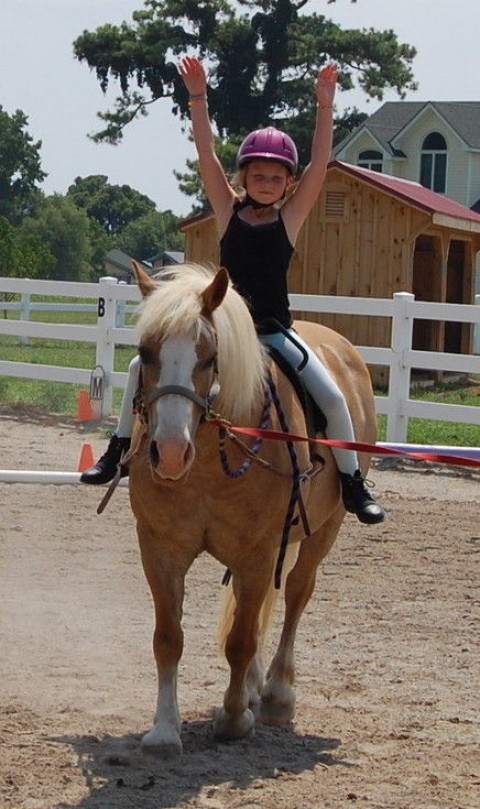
(214, 294)
(145, 283)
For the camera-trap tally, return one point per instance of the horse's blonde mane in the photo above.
(175, 308)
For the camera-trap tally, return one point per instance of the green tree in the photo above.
(263, 57)
(190, 183)
(150, 234)
(20, 167)
(112, 206)
(65, 230)
(22, 255)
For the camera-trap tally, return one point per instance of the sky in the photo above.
(61, 96)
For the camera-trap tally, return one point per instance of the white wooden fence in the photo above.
(111, 298)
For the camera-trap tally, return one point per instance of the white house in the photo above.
(435, 143)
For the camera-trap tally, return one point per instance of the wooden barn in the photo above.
(370, 235)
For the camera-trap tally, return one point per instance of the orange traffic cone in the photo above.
(85, 411)
(86, 458)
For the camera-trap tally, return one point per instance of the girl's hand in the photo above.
(326, 85)
(194, 76)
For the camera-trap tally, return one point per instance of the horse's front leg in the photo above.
(277, 705)
(236, 720)
(167, 586)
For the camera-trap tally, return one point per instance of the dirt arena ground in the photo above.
(387, 660)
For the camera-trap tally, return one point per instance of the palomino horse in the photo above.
(197, 345)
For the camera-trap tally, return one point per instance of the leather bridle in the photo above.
(144, 400)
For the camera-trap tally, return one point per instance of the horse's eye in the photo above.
(206, 364)
(146, 355)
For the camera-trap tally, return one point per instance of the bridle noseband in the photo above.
(145, 400)
(202, 401)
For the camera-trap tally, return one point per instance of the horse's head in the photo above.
(178, 352)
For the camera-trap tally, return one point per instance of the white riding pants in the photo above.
(127, 416)
(325, 393)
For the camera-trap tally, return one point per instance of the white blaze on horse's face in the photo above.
(175, 416)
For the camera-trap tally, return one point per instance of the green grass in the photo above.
(436, 433)
(53, 397)
(442, 433)
(84, 318)
(62, 398)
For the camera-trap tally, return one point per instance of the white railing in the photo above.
(111, 296)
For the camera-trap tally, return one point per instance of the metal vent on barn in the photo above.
(336, 207)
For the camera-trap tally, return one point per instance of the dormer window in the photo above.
(433, 163)
(370, 159)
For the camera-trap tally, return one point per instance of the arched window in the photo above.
(433, 163)
(370, 159)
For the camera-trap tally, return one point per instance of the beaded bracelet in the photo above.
(323, 107)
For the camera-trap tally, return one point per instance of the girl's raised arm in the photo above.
(296, 210)
(217, 188)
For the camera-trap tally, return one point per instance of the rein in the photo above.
(271, 397)
(252, 453)
(295, 493)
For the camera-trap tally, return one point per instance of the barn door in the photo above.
(427, 286)
(459, 274)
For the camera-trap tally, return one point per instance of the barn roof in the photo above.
(198, 217)
(415, 194)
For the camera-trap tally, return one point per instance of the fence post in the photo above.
(121, 308)
(24, 315)
(107, 310)
(476, 331)
(399, 381)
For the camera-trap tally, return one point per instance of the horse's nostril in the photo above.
(154, 456)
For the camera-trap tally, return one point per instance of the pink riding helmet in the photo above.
(268, 144)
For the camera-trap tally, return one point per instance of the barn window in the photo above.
(433, 163)
(370, 159)
(336, 205)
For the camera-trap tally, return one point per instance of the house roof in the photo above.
(387, 122)
(118, 258)
(414, 193)
(122, 261)
(167, 257)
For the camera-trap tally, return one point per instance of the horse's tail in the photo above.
(267, 612)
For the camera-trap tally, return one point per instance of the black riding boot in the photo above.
(358, 500)
(106, 467)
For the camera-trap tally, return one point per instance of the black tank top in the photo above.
(257, 259)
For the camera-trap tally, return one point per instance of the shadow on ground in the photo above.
(119, 775)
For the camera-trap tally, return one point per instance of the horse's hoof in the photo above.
(227, 728)
(161, 744)
(275, 710)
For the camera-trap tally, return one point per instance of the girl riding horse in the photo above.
(258, 230)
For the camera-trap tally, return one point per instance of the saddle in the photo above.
(315, 419)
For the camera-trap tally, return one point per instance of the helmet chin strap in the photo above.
(254, 204)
